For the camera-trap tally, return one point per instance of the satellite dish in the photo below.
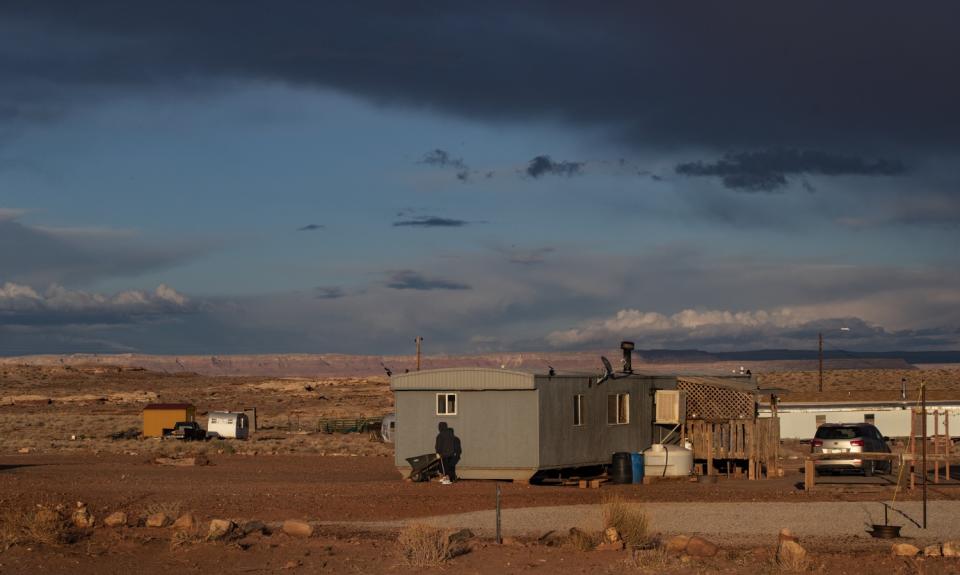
(607, 370)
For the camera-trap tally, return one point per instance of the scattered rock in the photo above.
(676, 544)
(511, 541)
(700, 547)
(297, 528)
(951, 548)
(158, 520)
(220, 528)
(292, 564)
(611, 534)
(115, 519)
(611, 546)
(932, 550)
(460, 536)
(185, 522)
(24, 450)
(253, 527)
(904, 550)
(82, 517)
(176, 461)
(791, 554)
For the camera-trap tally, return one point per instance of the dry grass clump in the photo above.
(655, 560)
(42, 524)
(425, 546)
(582, 540)
(628, 519)
(183, 538)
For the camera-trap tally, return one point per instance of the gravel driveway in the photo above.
(723, 521)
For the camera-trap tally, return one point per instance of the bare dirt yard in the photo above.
(68, 435)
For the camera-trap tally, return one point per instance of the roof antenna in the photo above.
(552, 371)
(386, 369)
(607, 371)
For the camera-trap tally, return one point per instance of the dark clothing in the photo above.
(448, 447)
(450, 467)
(446, 444)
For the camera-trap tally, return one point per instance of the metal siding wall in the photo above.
(564, 445)
(497, 429)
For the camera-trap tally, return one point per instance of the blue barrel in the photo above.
(636, 459)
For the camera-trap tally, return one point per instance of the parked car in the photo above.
(851, 438)
(187, 431)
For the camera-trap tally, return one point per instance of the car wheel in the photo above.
(868, 468)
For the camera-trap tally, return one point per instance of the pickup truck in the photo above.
(186, 431)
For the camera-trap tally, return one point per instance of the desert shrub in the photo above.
(183, 538)
(424, 546)
(628, 519)
(583, 541)
(791, 563)
(42, 524)
(655, 560)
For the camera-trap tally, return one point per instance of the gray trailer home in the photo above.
(512, 424)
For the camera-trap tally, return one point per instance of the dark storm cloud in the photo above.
(430, 222)
(409, 279)
(311, 228)
(443, 159)
(725, 75)
(767, 171)
(39, 256)
(543, 165)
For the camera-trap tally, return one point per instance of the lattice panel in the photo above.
(711, 403)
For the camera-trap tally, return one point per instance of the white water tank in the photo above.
(661, 460)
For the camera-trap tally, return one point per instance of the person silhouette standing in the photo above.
(447, 446)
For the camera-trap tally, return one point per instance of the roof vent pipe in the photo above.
(627, 347)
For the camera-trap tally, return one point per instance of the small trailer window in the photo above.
(618, 408)
(577, 410)
(446, 404)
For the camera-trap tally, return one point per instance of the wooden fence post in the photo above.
(809, 473)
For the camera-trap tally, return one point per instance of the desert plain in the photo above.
(69, 436)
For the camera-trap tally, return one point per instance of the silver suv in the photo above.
(850, 438)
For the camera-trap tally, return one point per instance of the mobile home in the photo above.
(513, 424)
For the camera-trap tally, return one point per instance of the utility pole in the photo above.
(419, 340)
(820, 355)
(923, 446)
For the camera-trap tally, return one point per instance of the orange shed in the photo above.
(158, 416)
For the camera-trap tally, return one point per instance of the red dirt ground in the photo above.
(273, 488)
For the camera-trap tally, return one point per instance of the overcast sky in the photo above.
(216, 177)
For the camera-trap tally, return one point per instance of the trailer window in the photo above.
(578, 410)
(618, 408)
(446, 404)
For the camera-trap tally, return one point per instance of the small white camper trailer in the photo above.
(228, 425)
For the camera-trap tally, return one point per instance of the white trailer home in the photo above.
(228, 425)
(801, 420)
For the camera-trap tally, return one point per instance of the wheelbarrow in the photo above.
(423, 467)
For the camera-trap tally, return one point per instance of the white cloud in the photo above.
(23, 305)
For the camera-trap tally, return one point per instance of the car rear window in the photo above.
(837, 433)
